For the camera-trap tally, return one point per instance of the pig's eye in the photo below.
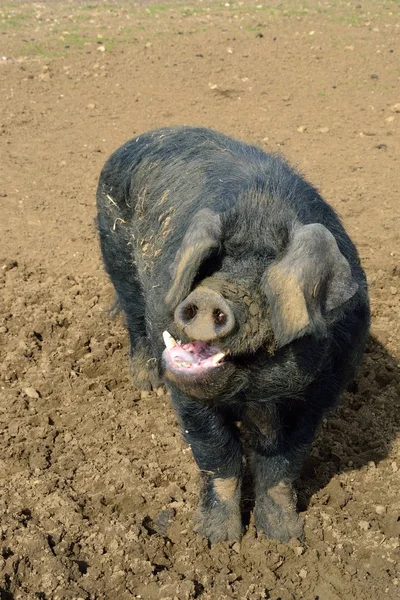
(219, 317)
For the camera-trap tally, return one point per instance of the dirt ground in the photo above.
(97, 486)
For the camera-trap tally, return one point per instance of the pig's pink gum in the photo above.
(192, 357)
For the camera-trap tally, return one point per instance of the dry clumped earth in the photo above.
(97, 486)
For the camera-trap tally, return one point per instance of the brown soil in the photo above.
(98, 487)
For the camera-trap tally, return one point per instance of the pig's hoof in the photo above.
(282, 527)
(220, 523)
(276, 521)
(143, 368)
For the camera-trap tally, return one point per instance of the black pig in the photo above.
(228, 250)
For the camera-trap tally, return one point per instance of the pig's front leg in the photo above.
(279, 444)
(217, 450)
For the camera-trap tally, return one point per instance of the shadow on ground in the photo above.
(361, 430)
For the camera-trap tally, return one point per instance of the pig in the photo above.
(242, 293)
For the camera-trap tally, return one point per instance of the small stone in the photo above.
(323, 129)
(299, 551)
(160, 391)
(44, 76)
(101, 48)
(303, 573)
(3, 329)
(175, 492)
(91, 105)
(31, 393)
(67, 437)
(380, 510)
(394, 466)
(229, 50)
(148, 45)
(236, 547)
(395, 107)
(38, 461)
(164, 520)
(371, 464)
(351, 569)
(8, 265)
(364, 525)
(393, 290)
(390, 119)
(145, 394)
(302, 129)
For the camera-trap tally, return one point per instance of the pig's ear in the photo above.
(202, 239)
(311, 279)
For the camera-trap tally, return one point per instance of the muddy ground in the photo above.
(97, 486)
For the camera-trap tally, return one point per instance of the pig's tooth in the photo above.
(218, 357)
(169, 340)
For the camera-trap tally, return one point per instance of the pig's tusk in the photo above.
(169, 340)
(218, 357)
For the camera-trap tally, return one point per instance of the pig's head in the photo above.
(232, 298)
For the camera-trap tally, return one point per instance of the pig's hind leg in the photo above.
(121, 268)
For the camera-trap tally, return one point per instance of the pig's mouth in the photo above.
(194, 358)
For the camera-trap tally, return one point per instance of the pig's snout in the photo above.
(204, 315)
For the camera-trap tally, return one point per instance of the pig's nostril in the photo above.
(189, 312)
(220, 317)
